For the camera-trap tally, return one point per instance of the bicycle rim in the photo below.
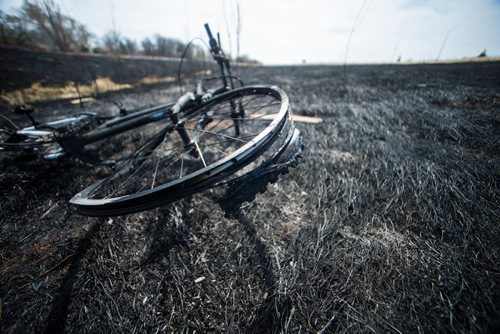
(222, 146)
(20, 145)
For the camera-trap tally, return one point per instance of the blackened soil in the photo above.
(20, 68)
(389, 224)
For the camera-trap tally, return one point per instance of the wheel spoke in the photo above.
(218, 134)
(156, 171)
(182, 165)
(200, 152)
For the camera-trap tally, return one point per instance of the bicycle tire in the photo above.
(267, 116)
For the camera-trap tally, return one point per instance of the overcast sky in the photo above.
(317, 31)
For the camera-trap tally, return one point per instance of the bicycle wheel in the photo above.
(29, 137)
(33, 137)
(221, 146)
(44, 137)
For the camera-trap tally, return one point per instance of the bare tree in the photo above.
(148, 47)
(238, 28)
(111, 41)
(13, 31)
(128, 46)
(168, 47)
(51, 28)
(40, 23)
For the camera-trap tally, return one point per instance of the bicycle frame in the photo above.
(74, 143)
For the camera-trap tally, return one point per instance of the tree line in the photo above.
(40, 24)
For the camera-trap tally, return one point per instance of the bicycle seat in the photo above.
(23, 110)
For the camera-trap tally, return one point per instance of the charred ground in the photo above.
(389, 224)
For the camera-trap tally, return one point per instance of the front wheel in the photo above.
(220, 147)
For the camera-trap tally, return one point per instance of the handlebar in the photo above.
(26, 110)
(220, 58)
(213, 42)
(23, 109)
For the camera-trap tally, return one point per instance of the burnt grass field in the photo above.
(390, 223)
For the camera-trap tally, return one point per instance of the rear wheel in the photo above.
(49, 133)
(228, 136)
(30, 142)
(11, 138)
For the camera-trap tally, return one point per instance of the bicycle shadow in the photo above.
(271, 314)
(56, 321)
(165, 236)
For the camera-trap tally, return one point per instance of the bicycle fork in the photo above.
(190, 144)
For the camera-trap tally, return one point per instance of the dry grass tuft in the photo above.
(38, 92)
